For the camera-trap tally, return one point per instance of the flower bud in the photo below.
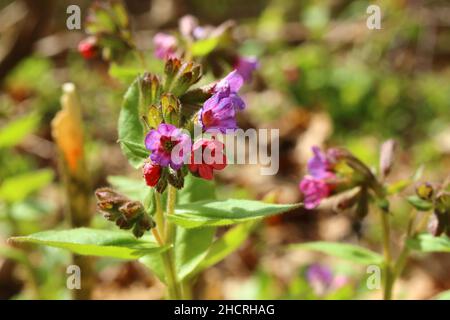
(132, 210)
(425, 191)
(154, 116)
(124, 212)
(387, 157)
(151, 173)
(170, 107)
(88, 47)
(144, 224)
(176, 179)
(198, 95)
(150, 89)
(162, 183)
(171, 69)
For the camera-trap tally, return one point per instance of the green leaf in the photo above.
(203, 47)
(426, 242)
(123, 74)
(17, 188)
(342, 250)
(15, 131)
(227, 244)
(93, 242)
(130, 126)
(138, 150)
(225, 212)
(196, 189)
(420, 204)
(191, 247)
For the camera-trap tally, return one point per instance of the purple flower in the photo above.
(169, 145)
(231, 84)
(314, 191)
(219, 111)
(245, 67)
(317, 273)
(165, 45)
(318, 165)
(321, 279)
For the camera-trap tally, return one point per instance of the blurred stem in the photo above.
(174, 287)
(411, 232)
(388, 278)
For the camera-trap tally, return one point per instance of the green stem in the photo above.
(404, 254)
(174, 287)
(388, 278)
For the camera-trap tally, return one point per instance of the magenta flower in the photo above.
(314, 190)
(316, 186)
(245, 67)
(165, 45)
(219, 111)
(169, 146)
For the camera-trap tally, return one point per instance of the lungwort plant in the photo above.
(170, 217)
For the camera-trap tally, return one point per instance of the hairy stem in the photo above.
(174, 287)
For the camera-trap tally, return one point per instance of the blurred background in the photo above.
(324, 79)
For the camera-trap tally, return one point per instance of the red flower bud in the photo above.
(151, 173)
(88, 48)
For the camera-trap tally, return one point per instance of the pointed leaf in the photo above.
(342, 250)
(130, 126)
(227, 244)
(225, 212)
(93, 242)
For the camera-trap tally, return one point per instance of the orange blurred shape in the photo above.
(67, 129)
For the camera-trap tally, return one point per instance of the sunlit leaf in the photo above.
(426, 242)
(225, 212)
(92, 242)
(130, 126)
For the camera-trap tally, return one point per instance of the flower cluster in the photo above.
(173, 153)
(108, 27)
(222, 52)
(127, 214)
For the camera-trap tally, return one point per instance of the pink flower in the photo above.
(314, 191)
(165, 45)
